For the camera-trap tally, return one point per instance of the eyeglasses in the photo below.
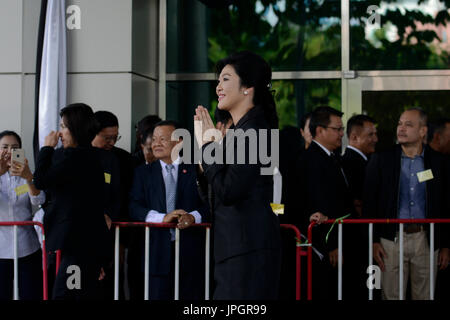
(340, 129)
(111, 138)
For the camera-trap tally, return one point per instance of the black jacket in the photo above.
(243, 219)
(354, 166)
(323, 189)
(74, 219)
(381, 192)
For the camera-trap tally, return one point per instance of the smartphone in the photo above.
(18, 155)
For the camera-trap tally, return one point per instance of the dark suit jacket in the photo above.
(148, 193)
(381, 192)
(74, 219)
(126, 171)
(323, 188)
(354, 166)
(243, 218)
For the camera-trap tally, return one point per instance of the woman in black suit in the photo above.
(246, 231)
(74, 219)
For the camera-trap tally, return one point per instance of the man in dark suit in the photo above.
(362, 138)
(408, 181)
(166, 191)
(325, 190)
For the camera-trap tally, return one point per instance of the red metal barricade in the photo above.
(44, 254)
(370, 222)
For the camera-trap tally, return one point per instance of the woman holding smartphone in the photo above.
(17, 195)
(74, 220)
(247, 250)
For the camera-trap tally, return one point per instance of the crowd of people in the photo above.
(87, 183)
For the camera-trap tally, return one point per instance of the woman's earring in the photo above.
(245, 92)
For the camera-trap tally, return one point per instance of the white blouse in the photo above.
(17, 208)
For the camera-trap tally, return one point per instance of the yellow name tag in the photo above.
(21, 189)
(107, 178)
(425, 175)
(277, 208)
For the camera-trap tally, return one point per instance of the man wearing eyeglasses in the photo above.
(326, 193)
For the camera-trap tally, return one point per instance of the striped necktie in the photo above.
(171, 188)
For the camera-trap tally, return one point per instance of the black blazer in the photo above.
(354, 166)
(74, 218)
(243, 218)
(381, 192)
(323, 189)
(148, 193)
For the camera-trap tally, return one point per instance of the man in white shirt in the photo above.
(165, 191)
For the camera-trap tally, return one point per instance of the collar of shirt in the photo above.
(324, 149)
(175, 164)
(358, 151)
(420, 155)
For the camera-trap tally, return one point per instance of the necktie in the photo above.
(171, 189)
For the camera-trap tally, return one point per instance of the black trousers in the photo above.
(77, 269)
(251, 276)
(30, 277)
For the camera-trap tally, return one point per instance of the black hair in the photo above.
(222, 115)
(106, 119)
(357, 121)
(320, 117)
(171, 123)
(303, 120)
(147, 133)
(11, 133)
(80, 120)
(255, 72)
(436, 126)
(145, 124)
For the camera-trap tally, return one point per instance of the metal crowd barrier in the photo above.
(401, 222)
(207, 226)
(15, 224)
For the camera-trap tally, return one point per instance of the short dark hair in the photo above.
(170, 123)
(11, 133)
(147, 123)
(422, 114)
(106, 119)
(80, 120)
(436, 126)
(320, 117)
(303, 120)
(222, 115)
(147, 133)
(357, 121)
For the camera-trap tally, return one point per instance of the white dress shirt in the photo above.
(17, 208)
(154, 216)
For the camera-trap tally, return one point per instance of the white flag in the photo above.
(53, 82)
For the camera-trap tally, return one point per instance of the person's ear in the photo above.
(248, 91)
(423, 131)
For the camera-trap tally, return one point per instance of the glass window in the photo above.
(386, 106)
(399, 34)
(289, 34)
(293, 99)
